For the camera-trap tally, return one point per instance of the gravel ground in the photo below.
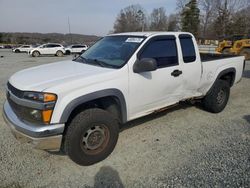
(181, 147)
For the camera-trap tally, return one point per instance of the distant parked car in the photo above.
(76, 49)
(23, 48)
(48, 49)
(8, 47)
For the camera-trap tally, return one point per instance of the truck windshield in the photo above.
(111, 51)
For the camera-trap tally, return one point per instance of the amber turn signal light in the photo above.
(47, 116)
(48, 97)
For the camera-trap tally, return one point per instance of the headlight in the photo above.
(41, 97)
(38, 115)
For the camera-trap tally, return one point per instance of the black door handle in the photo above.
(176, 73)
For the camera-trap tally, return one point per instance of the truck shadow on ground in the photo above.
(246, 74)
(247, 118)
(107, 177)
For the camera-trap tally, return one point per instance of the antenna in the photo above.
(69, 30)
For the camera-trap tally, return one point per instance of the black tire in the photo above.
(245, 52)
(226, 51)
(35, 54)
(17, 51)
(216, 99)
(79, 139)
(59, 53)
(67, 52)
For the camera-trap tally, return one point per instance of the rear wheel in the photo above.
(35, 54)
(216, 99)
(59, 53)
(91, 136)
(245, 52)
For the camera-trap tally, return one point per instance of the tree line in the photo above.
(208, 19)
(40, 38)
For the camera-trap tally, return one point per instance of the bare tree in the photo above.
(208, 8)
(173, 22)
(158, 20)
(131, 18)
(225, 10)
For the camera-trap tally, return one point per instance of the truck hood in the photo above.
(42, 77)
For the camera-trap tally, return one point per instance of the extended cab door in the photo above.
(191, 65)
(149, 91)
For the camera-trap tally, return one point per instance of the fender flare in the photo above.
(92, 96)
(228, 70)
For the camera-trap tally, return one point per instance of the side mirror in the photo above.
(145, 65)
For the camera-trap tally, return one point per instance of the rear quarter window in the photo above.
(187, 47)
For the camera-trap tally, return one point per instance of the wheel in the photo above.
(216, 100)
(67, 52)
(17, 51)
(35, 54)
(226, 51)
(245, 52)
(59, 53)
(91, 136)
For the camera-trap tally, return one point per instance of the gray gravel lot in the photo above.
(181, 147)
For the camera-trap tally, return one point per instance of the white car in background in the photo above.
(48, 49)
(76, 49)
(23, 48)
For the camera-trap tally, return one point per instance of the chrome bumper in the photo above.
(45, 137)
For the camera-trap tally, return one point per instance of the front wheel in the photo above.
(216, 99)
(91, 136)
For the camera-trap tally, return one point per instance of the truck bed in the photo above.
(210, 57)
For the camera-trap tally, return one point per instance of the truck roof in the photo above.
(149, 33)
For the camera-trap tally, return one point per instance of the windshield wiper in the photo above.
(99, 62)
(102, 63)
(94, 61)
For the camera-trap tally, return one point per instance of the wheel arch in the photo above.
(114, 96)
(226, 75)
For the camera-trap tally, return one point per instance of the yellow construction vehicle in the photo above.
(227, 43)
(241, 47)
(224, 47)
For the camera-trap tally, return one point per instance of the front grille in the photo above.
(18, 93)
(15, 107)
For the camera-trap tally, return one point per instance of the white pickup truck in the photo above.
(79, 105)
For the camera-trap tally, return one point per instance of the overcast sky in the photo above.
(86, 16)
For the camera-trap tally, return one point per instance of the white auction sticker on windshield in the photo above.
(134, 39)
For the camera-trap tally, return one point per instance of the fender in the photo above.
(229, 70)
(92, 96)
